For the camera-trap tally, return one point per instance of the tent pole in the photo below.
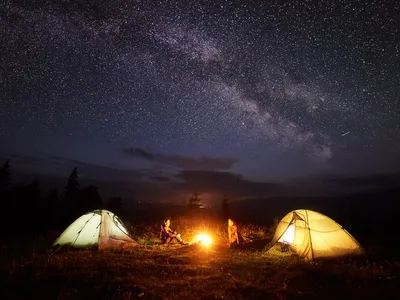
(101, 222)
(269, 246)
(79, 232)
(309, 234)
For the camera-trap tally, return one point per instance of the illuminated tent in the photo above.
(313, 235)
(99, 228)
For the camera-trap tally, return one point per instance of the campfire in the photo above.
(203, 239)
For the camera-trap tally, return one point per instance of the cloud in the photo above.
(159, 178)
(384, 180)
(144, 185)
(152, 185)
(217, 183)
(62, 166)
(22, 159)
(180, 161)
(100, 172)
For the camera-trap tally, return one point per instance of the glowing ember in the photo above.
(203, 240)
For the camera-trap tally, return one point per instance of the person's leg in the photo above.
(179, 239)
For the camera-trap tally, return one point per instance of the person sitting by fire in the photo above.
(167, 234)
(233, 234)
(235, 238)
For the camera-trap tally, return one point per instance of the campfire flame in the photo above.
(203, 239)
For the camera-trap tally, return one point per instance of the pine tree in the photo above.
(225, 208)
(71, 196)
(89, 199)
(72, 187)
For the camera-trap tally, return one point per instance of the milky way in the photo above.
(274, 86)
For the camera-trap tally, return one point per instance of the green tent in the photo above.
(99, 228)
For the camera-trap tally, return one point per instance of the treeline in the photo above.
(26, 209)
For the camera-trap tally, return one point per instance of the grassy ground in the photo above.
(191, 272)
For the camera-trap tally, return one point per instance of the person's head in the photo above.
(167, 222)
(230, 222)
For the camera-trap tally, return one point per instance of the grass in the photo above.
(191, 272)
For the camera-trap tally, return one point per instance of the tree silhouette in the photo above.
(33, 205)
(51, 202)
(71, 196)
(5, 193)
(89, 199)
(115, 205)
(5, 176)
(26, 201)
(225, 208)
(194, 201)
(51, 199)
(34, 188)
(72, 187)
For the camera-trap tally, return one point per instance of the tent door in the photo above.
(288, 236)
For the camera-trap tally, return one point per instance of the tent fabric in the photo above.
(313, 235)
(99, 228)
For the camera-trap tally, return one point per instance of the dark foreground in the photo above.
(193, 272)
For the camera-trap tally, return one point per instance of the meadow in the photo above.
(29, 270)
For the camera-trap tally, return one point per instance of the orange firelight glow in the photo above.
(203, 239)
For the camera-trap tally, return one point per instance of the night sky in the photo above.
(213, 95)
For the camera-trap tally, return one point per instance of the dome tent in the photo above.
(313, 235)
(98, 228)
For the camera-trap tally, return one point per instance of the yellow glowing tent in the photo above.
(313, 235)
(99, 228)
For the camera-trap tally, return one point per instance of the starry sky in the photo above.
(215, 95)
